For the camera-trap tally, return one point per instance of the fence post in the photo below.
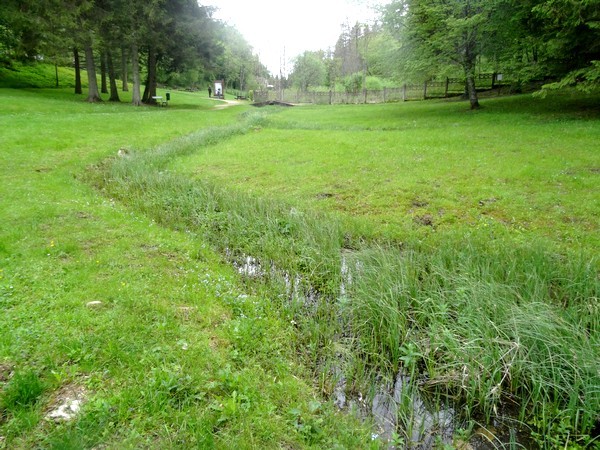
(404, 92)
(425, 90)
(446, 88)
(384, 95)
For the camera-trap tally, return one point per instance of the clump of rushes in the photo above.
(479, 319)
(490, 324)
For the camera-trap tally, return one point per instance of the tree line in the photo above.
(554, 41)
(175, 42)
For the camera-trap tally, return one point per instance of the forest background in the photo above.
(178, 43)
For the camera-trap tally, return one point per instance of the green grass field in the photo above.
(161, 360)
(472, 239)
(516, 163)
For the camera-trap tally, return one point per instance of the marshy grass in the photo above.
(486, 325)
(296, 241)
(24, 390)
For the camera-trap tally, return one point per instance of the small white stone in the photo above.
(94, 304)
(66, 411)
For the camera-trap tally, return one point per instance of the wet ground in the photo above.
(424, 426)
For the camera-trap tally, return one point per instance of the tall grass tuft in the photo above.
(24, 389)
(491, 323)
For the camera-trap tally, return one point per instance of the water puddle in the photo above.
(424, 428)
(297, 290)
(249, 267)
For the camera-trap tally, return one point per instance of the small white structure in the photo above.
(219, 91)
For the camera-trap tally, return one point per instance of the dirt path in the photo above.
(226, 103)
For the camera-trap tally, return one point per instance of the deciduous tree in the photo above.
(309, 70)
(445, 32)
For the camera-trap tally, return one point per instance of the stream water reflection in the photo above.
(401, 417)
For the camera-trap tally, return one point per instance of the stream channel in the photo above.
(426, 426)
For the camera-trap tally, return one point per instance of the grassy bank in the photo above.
(177, 353)
(471, 238)
(18, 75)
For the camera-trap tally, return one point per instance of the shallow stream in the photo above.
(401, 417)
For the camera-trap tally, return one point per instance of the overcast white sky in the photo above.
(271, 26)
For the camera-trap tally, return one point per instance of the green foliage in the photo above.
(375, 83)
(444, 33)
(8, 41)
(558, 430)
(308, 424)
(180, 40)
(571, 30)
(585, 80)
(354, 83)
(527, 40)
(383, 57)
(237, 65)
(20, 31)
(309, 70)
(189, 78)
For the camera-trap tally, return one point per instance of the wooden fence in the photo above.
(429, 89)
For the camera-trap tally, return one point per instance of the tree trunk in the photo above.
(124, 69)
(56, 73)
(135, 67)
(78, 89)
(469, 67)
(112, 76)
(93, 94)
(103, 87)
(472, 91)
(150, 89)
(470, 59)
